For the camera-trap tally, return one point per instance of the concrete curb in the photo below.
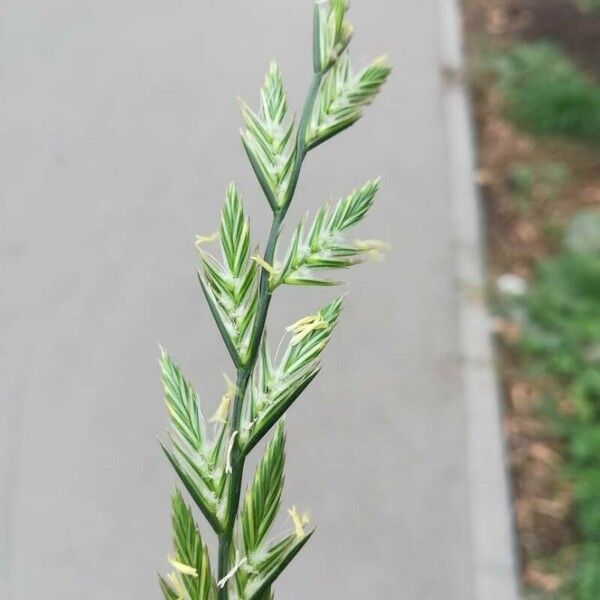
(492, 535)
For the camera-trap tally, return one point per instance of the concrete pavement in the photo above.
(120, 135)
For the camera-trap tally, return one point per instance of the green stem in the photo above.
(244, 372)
(301, 138)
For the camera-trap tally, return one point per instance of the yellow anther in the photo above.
(206, 239)
(300, 322)
(222, 411)
(305, 326)
(182, 567)
(380, 60)
(264, 264)
(299, 521)
(375, 249)
(177, 585)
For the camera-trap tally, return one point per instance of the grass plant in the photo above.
(238, 288)
(545, 93)
(561, 335)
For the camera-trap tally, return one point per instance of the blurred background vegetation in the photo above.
(591, 6)
(545, 93)
(535, 80)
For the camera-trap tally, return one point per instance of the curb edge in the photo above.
(492, 533)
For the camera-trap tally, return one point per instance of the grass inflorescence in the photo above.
(238, 285)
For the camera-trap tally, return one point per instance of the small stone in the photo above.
(541, 580)
(510, 284)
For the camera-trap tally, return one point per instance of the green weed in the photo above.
(589, 6)
(541, 181)
(562, 336)
(546, 94)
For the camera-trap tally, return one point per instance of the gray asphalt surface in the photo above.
(119, 134)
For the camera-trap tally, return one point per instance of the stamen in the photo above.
(298, 521)
(182, 567)
(375, 249)
(238, 563)
(206, 239)
(264, 264)
(305, 326)
(228, 468)
(177, 585)
(222, 411)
